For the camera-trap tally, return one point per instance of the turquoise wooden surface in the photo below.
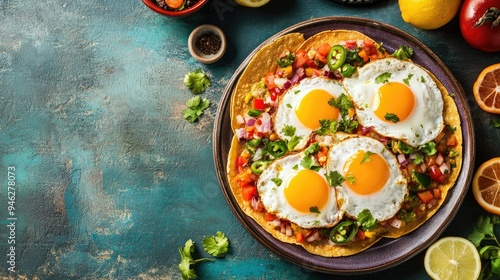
(110, 180)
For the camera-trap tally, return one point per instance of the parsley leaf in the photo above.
(334, 178)
(403, 52)
(187, 260)
(216, 245)
(195, 108)
(495, 123)
(383, 78)
(366, 157)
(197, 81)
(391, 117)
(366, 220)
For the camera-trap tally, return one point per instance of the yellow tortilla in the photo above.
(265, 61)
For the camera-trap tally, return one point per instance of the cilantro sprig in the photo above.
(216, 245)
(195, 108)
(197, 81)
(484, 238)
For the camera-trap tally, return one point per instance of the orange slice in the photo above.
(487, 89)
(486, 185)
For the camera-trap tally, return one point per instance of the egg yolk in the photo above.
(366, 173)
(393, 98)
(307, 189)
(314, 107)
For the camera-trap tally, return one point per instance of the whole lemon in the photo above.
(428, 14)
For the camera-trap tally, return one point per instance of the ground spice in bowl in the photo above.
(208, 43)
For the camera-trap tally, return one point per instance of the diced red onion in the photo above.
(423, 167)
(276, 222)
(240, 119)
(439, 159)
(313, 236)
(251, 121)
(402, 160)
(413, 156)
(288, 230)
(366, 129)
(283, 228)
(444, 168)
(396, 223)
(300, 72)
(255, 202)
(265, 125)
(295, 79)
(287, 85)
(361, 43)
(280, 82)
(431, 203)
(384, 140)
(240, 133)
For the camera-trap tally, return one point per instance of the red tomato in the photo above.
(476, 18)
(249, 192)
(436, 174)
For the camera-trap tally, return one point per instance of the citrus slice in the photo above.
(452, 258)
(252, 3)
(486, 185)
(487, 89)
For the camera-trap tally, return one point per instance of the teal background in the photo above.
(110, 179)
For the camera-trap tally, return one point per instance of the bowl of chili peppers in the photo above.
(207, 43)
(175, 8)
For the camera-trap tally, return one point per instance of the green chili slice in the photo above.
(336, 57)
(259, 166)
(347, 70)
(277, 148)
(343, 232)
(254, 113)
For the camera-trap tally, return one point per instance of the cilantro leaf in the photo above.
(334, 178)
(351, 179)
(343, 103)
(348, 125)
(327, 126)
(391, 117)
(366, 157)
(314, 209)
(277, 181)
(286, 59)
(403, 52)
(197, 81)
(187, 260)
(484, 238)
(383, 78)
(407, 79)
(309, 162)
(216, 245)
(366, 220)
(195, 108)
(428, 148)
(290, 144)
(495, 123)
(289, 130)
(312, 149)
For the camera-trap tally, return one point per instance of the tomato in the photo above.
(436, 174)
(476, 24)
(269, 80)
(248, 192)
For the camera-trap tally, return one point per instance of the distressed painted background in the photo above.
(110, 180)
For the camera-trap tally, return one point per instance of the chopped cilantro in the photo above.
(314, 209)
(312, 149)
(351, 179)
(216, 245)
(187, 260)
(428, 148)
(407, 79)
(383, 78)
(366, 157)
(277, 181)
(327, 126)
(343, 103)
(418, 159)
(348, 125)
(195, 108)
(289, 130)
(422, 79)
(290, 144)
(391, 117)
(197, 81)
(403, 52)
(286, 59)
(310, 163)
(405, 148)
(334, 178)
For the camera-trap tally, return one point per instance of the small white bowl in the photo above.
(196, 34)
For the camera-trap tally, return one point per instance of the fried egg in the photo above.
(372, 176)
(303, 106)
(398, 99)
(301, 195)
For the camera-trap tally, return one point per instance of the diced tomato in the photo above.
(241, 161)
(360, 234)
(363, 55)
(269, 80)
(436, 174)
(270, 217)
(300, 58)
(437, 193)
(312, 64)
(299, 236)
(249, 192)
(351, 44)
(324, 49)
(373, 57)
(258, 103)
(368, 43)
(451, 141)
(320, 58)
(425, 196)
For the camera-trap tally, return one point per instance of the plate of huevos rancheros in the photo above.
(344, 145)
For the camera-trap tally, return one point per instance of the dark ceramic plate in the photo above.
(387, 252)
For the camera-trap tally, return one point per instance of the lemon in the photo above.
(428, 14)
(252, 3)
(453, 258)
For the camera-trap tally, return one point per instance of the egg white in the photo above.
(285, 113)
(383, 204)
(273, 197)
(426, 120)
